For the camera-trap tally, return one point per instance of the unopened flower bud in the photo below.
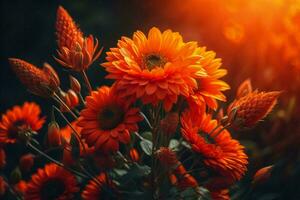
(54, 79)
(75, 85)
(167, 157)
(262, 175)
(26, 162)
(252, 108)
(169, 123)
(53, 135)
(15, 175)
(74, 100)
(134, 155)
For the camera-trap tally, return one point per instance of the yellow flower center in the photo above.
(110, 117)
(154, 60)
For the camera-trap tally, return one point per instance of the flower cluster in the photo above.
(151, 134)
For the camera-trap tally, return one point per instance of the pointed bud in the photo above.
(53, 135)
(66, 30)
(54, 79)
(36, 80)
(262, 175)
(134, 155)
(2, 158)
(75, 85)
(167, 157)
(253, 107)
(244, 89)
(169, 123)
(74, 100)
(26, 162)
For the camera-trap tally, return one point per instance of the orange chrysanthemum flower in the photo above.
(107, 189)
(219, 151)
(42, 82)
(19, 120)
(107, 120)
(210, 87)
(75, 51)
(51, 182)
(220, 195)
(253, 107)
(156, 68)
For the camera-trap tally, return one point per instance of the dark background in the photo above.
(28, 32)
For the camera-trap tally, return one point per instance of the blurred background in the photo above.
(257, 39)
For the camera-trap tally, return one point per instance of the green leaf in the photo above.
(146, 146)
(75, 150)
(136, 171)
(174, 144)
(147, 135)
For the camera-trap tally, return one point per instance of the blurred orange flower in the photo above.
(51, 182)
(106, 190)
(107, 120)
(18, 120)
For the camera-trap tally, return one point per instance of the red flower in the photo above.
(52, 182)
(107, 120)
(107, 189)
(219, 151)
(18, 120)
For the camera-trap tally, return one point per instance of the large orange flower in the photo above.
(210, 87)
(52, 182)
(106, 190)
(219, 151)
(107, 120)
(155, 68)
(18, 120)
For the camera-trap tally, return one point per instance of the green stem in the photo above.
(87, 82)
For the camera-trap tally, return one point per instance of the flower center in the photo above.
(52, 189)
(154, 60)
(18, 126)
(110, 117)
(108, 193)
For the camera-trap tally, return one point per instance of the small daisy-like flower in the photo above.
(107, 120)
(75, 51)
(18, 120)
(156, 68)
(182, 179)
(106, 191)
(51, 182)
(219, 151)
